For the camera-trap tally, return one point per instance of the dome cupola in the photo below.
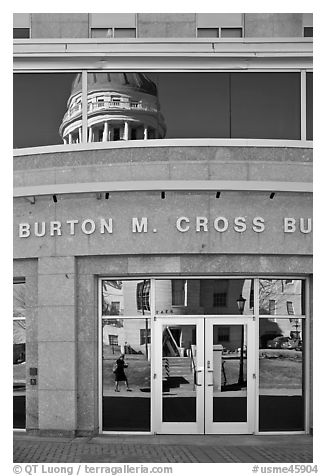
(120, 106)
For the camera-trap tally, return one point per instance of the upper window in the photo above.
(307, 21)
(21, 25)
(113, 32)
(208, 32)
(143, 295)
(308, 31)
(282, 297)
(19, 304)
(113, 25)
(125, 298)
(309, 104)
(219, 25)
(21, 33)
(219, 32)
(202, 296)
(262, 105)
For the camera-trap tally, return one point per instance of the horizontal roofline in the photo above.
(158, 185)
(166, 40)
(61, 148)
(190, 54)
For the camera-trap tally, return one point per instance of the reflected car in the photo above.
(282, 342)
(299, 345)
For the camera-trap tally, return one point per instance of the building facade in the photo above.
(163, 212)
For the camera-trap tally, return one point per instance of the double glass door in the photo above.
(204, 376)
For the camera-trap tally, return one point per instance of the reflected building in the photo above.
(120, 106)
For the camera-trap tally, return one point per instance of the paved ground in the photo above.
(164, 449)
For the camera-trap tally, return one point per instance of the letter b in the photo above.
(24, 230)
(289, 225)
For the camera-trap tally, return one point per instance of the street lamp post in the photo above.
(241, 304)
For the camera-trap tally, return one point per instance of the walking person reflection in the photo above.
(120, 375)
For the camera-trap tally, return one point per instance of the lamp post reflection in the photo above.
(241, 303)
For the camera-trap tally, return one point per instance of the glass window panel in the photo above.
(21, 33)
(231, 32)
(126, 381)
(19, 373)
(185, 97)
(281, 382)
(125, 33)
(19, 356)
(309, 105)
(40, 104)
(102, 32)
(229, 373)
(308, 31)
(281, 297)
(265, 105)
(126, 298)
(207, 32)
(19, 302)
(179, 367)
(203, 296)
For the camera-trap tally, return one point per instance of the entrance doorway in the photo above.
(196, 362)
(205, 375)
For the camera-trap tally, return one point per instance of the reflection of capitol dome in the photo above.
(121, 106)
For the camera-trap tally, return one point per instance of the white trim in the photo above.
(158, 185)
(307, 353)
(153, 403)
(127, 433)
(100, 353)
(246, 427)
(263, 40)
(256, 344)
(136, 144)
(84, 107)
(303, 106)
(137, 54)
(280, 433)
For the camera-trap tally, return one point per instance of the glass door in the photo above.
(229, 375)
(179, 380)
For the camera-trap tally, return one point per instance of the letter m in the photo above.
(139, 227)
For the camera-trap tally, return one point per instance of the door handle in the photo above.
(197, 372)
(210, 371)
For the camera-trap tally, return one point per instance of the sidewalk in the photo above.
(164, 449)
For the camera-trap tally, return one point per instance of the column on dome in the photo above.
(90, 134)
(145, 132)
(80, 135)
(110, 133)
(70, 138)
(126, 131)
(105, 132)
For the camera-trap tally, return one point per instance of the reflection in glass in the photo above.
(281, 391)
(19, 356)
(281, 297)
(179, 373)
(40, 102)
(229, 373)
(126, 389)
(120, 106)
(203, 296)
(126, 298)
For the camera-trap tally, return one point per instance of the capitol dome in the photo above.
(121, 106)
